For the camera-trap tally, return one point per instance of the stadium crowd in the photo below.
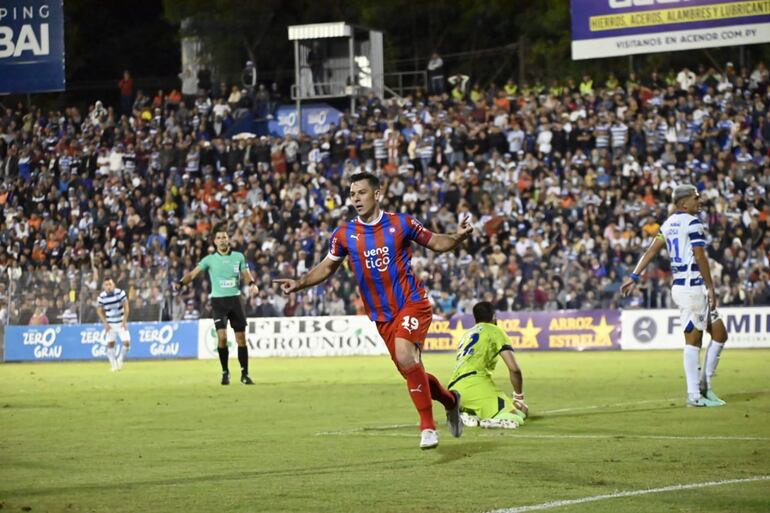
(566, 184)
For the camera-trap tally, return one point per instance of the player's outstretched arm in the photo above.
(313, 277)
(187, 278)
(657, 244)
(442, 242)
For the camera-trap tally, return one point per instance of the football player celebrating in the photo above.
(378, 245)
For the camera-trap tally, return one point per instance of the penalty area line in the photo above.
(630, 493)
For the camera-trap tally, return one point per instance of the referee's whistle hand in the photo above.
(287, 285)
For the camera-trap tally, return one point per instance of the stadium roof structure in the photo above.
(320, 30)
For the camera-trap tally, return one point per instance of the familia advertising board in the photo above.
(662, 329)
(298, 336)
(610, 28)
(570, 330)
(149, 340)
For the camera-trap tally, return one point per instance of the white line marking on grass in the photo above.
(382, 431)
(633, 493)
(597, 406)
(643, 437)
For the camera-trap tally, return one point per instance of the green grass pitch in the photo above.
(339, 435)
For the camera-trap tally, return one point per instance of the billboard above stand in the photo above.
(31, 46)
(611, 28)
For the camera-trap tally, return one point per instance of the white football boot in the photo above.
(428, 439)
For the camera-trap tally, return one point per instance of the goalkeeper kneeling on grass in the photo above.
(482, 403)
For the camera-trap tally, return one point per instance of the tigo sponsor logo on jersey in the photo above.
(378, 258)
(44, 342)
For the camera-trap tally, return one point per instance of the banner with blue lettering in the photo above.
(317, 118)
(31, 46)
(149, 340)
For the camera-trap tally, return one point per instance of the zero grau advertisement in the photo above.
(609, 28)
(149, 340)
(316, 120)
(31, 46)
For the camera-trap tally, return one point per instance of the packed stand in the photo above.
(567, 184)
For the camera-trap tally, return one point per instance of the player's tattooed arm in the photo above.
(441, 242)
(313, 277)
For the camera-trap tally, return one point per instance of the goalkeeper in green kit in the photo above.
(484, 404)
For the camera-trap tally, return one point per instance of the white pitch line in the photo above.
(643, 437)
(380, 431)
(632, 493)
(597, 406)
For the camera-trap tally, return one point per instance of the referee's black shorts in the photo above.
(229, 308)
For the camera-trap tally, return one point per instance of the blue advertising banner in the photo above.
(149, 340)
(31, 46)
(608, 28)
(316, 120)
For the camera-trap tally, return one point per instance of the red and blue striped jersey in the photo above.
(381, 254)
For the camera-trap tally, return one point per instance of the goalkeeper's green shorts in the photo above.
(481, 397)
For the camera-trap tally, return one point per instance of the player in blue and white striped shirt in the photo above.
(113, 311)
(692, 291)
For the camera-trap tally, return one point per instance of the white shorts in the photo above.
(693, 307)
(117, 331)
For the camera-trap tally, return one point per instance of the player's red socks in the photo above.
(419, 391)
(439, 393)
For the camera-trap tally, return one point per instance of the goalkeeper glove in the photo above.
(518, 402)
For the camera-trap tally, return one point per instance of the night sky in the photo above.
(104, 38)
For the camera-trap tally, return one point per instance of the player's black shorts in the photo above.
(229, 308)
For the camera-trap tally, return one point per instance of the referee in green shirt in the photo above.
(226, 269)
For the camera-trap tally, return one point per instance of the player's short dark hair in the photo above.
(483, 311)
(219, 227)
(369, 177)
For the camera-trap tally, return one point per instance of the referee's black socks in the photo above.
(224, 354)
(243, 359)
